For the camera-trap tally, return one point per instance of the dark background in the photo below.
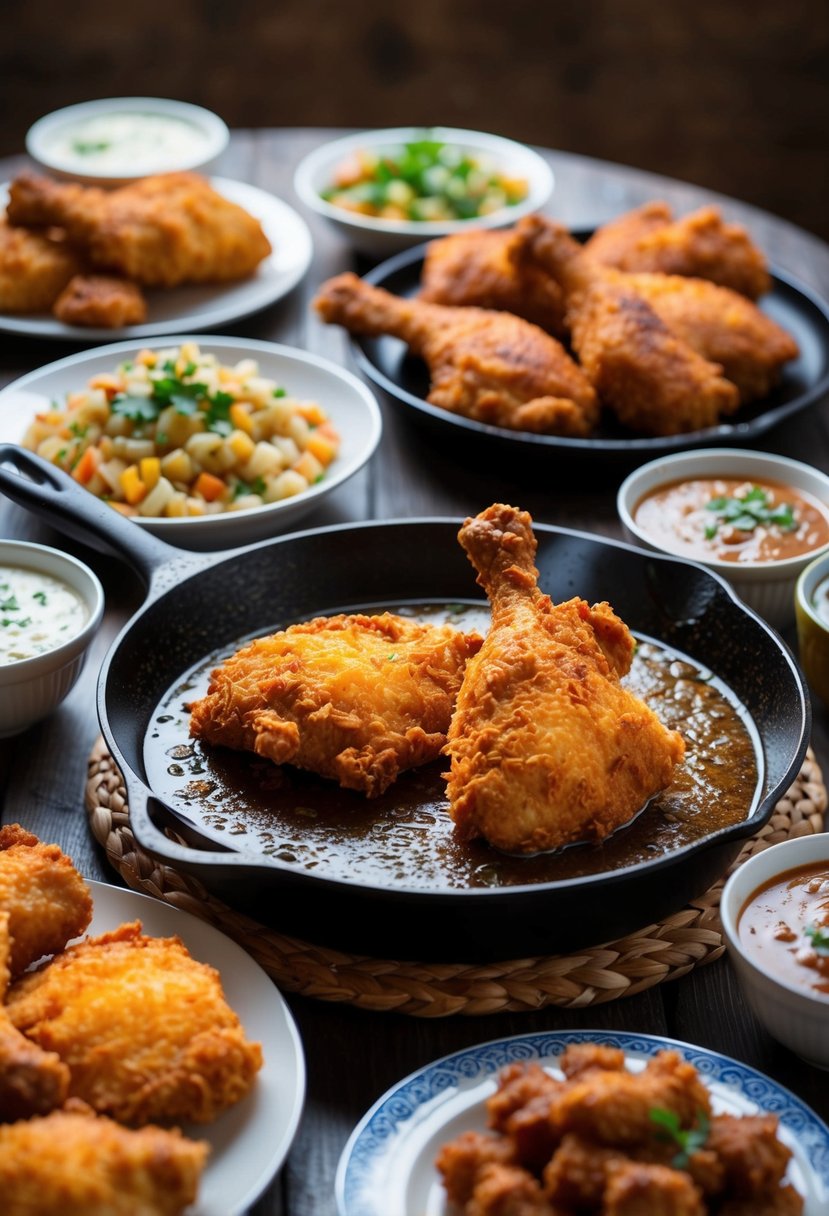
(729, 94)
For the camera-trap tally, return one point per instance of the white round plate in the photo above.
(350, 405)
(387, 1167)
(249, 1142)
(202, 306)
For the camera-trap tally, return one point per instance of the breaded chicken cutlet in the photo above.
(102, 301)
(35, 267)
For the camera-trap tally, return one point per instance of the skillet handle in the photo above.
(49, 492)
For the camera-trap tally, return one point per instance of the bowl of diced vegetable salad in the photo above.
(389, 189)
(208, 443)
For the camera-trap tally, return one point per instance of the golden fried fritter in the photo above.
(161, 231)
(75, 1163)
(34, 269)
(144, 1028)
(101, 300)
(547, 747)
(47, 900)
(489, 366)
(352, 697)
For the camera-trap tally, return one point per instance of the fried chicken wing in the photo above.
(355, 698)
(144, 1028)
(476, 269)
(490, 366)
(701, 245)
(547, 747)
(649, 376)
(104, 301)
(160, 231)
(47, 900)
(74, 1163)
(34, 269)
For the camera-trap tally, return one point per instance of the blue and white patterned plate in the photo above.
(387, 1167)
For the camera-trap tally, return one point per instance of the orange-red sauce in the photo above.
(773, 924)
(677, 516)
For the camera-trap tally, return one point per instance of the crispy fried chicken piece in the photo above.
(34, 269)
(47, 900)
(101, 300)
(518, 1085)
(580, 1058)
(32, 1081)
(575, 1176)
(144, 1028)
(476, 269)
(651, 378)
(507, 1190)
(546, 745)
(753, 1156)
(74, 1163)
(489, 366)
(637, 1189)
(784, 1201)
(161, 231)
(701, 245)
(462, 1161)
(722, 326)
(351, 697)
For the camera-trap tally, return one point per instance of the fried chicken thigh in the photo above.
(351, 697)
(143, 1028)
(648, 375)
(546, 746)
(490, 366)
(104, 301)
(161, 231)
(34, 269)
(701, 245)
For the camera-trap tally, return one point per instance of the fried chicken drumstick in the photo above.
(546, 746)
(490, 366)
(160, 231)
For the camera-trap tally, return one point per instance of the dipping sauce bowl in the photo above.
(772, 909)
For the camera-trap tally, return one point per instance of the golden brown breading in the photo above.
(144, 1028)
(161, 231)
(102, 301)
(34, 269)
(74, 1163)
(546, 746)
(701, 245)
(352, 697)
(635, 1188)
(489, 366)
(461, 1162)
(652, 379)
(475, 269)
(47, 900)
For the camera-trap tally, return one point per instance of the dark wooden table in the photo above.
(353, 1056)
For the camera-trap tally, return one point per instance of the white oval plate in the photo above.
(350, 405)
(202, 306)
(387, 1167)
(249, 1142)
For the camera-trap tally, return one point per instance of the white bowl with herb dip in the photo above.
(115, 140)
(50, 608)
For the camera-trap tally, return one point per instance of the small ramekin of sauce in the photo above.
(775, 917)
(50, 609)
(754, 518)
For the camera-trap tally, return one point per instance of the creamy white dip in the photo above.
(128, 142)
(37, 613)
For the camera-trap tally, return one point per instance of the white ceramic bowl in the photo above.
(767, 587)
(790, 1014)
(185, 137)
(349, 404)
(31, 688)
(380, 237)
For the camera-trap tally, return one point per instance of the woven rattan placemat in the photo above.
(658, 952)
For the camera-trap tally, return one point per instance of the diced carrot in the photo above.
(86, 466)
(209, 487)
(311, 412)
(323, 448)
(240, 417)
(308, 466)
(328, 430)
(150, 467)
(132, 485)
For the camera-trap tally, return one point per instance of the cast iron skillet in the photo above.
(199, 602)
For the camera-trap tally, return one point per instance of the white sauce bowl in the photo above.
(32, 688)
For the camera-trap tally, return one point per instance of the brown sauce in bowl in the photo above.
(405, 839)
(784, 927)
(730, 520)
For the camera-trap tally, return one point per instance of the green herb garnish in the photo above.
(137, 409)
(819, 939)
(40, 596)
(746, 512)
(257, 486)
(9, 605)
(688, 1139)
(86, 146)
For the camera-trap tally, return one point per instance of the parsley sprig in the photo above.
(819, 939)
(187, 397)
(749, 510)
(689, 1139)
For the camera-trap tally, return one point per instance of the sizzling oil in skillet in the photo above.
(404, 838)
